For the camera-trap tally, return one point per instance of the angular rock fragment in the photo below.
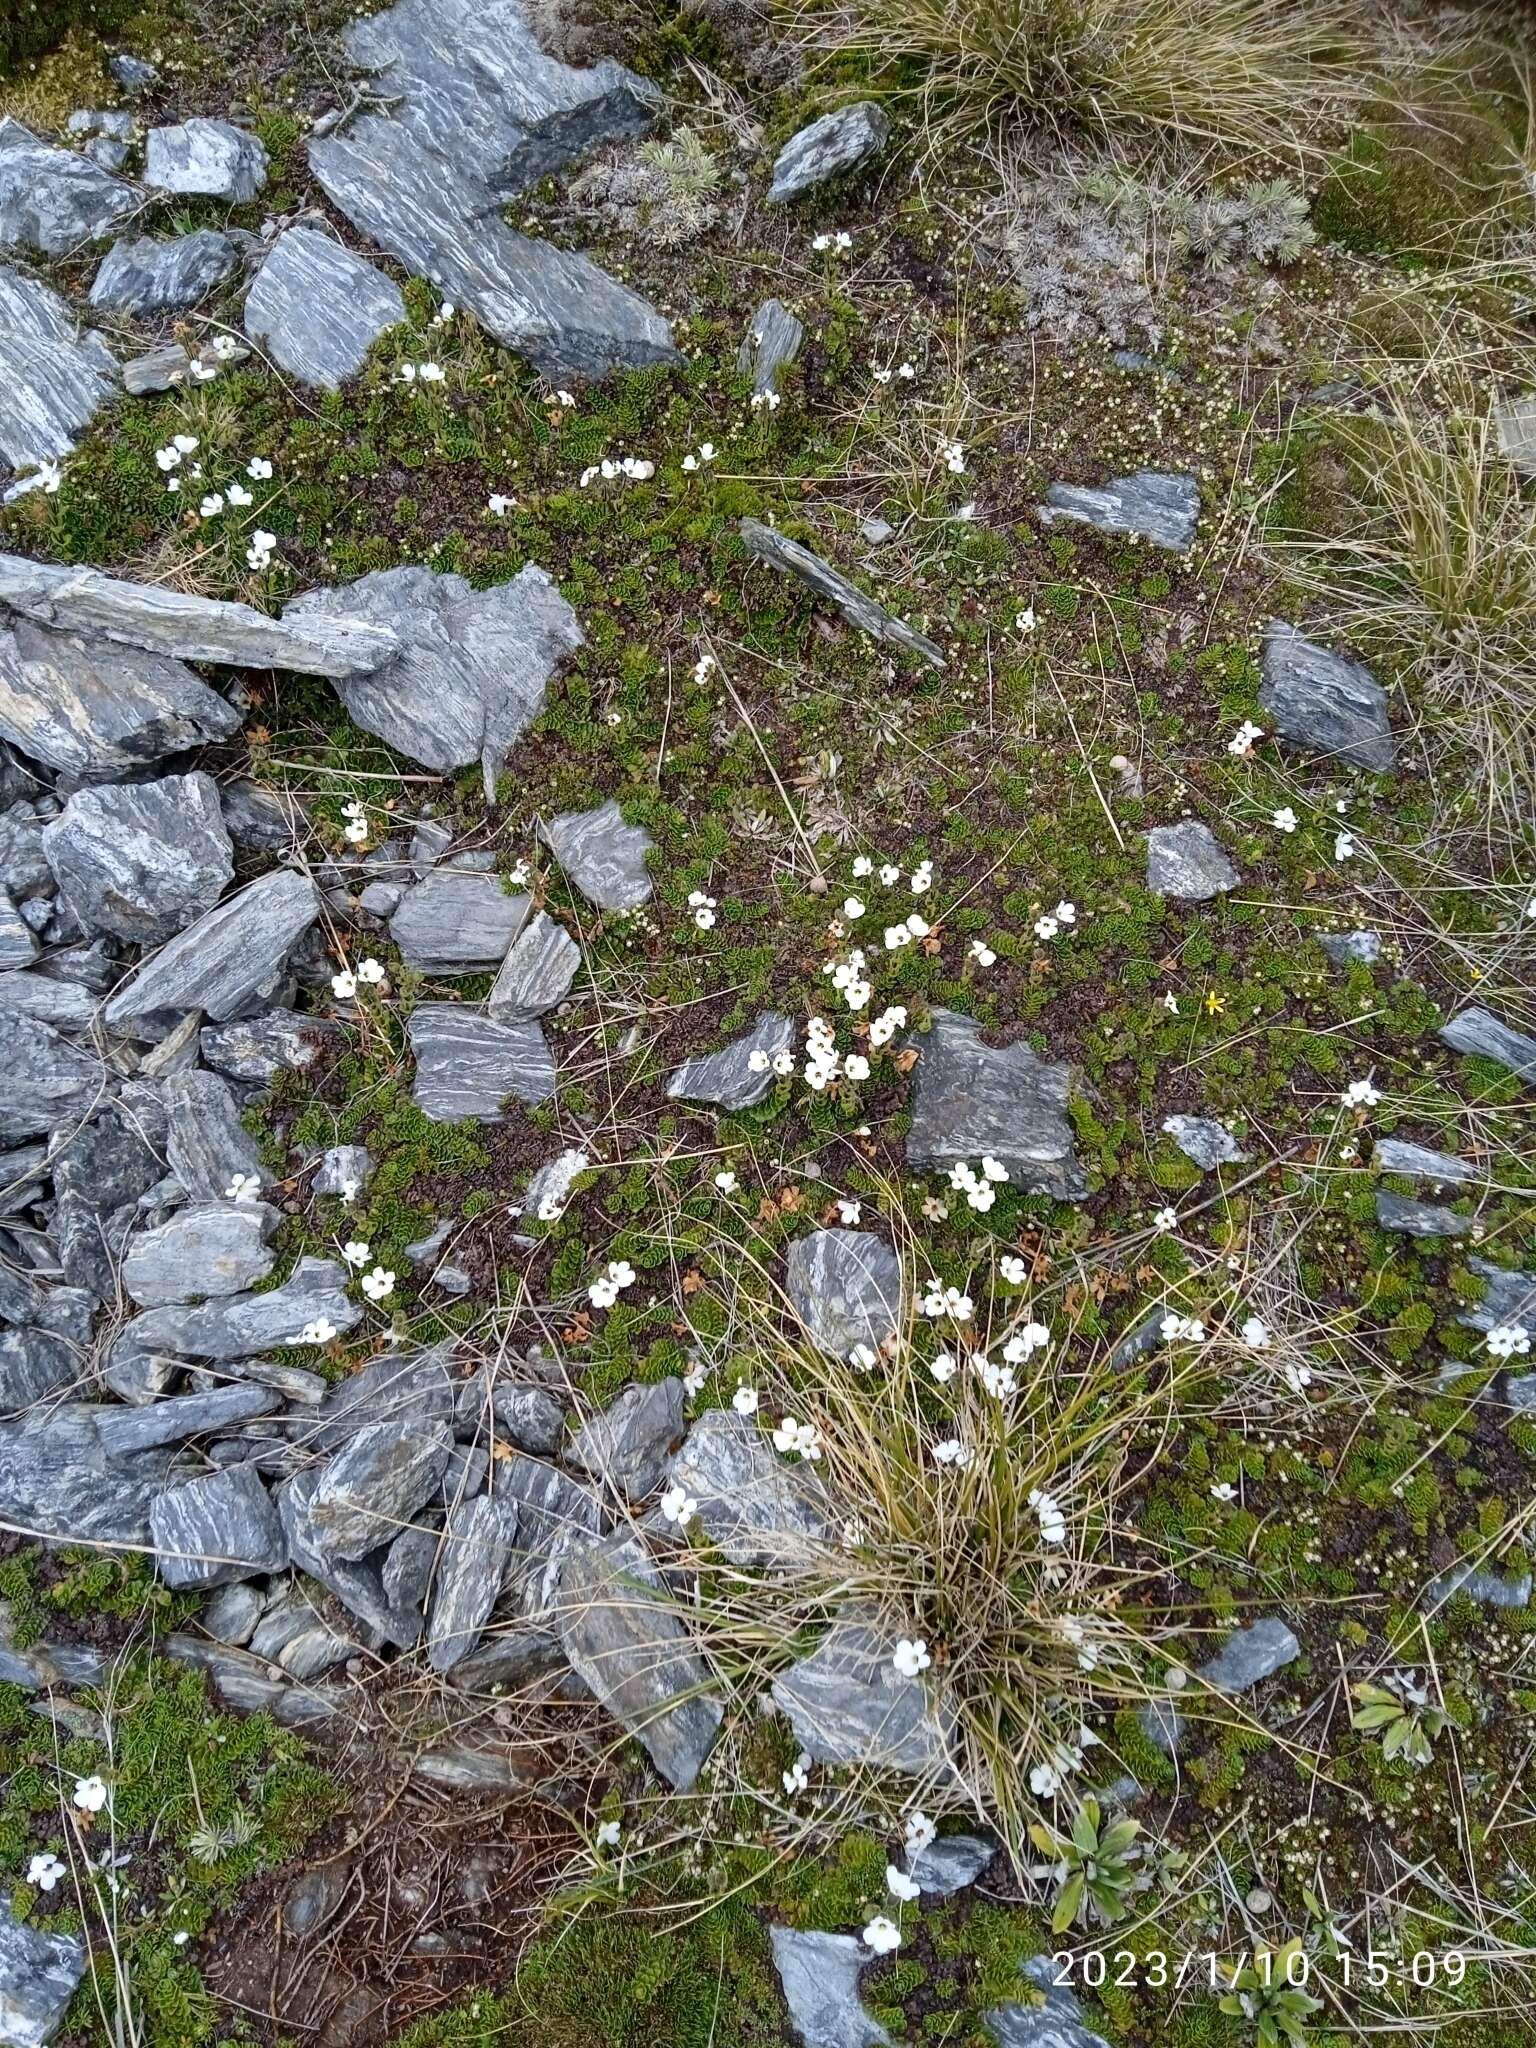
(1157, 507)
(161, 369)
(755, 1509)
(476, 1550)
(1053, 2019)
(358, 1586)
(212, 158)
(951, 1863)
(227, 962)
(1418, 1219)
(845, 1286)
(345, 1170)
(838, 142)
(626, 1447)
(53, 374)
(627, 1642)
(213, 1249)
(1245, 1659)
(1351, 949)
(730, 1077)
(549, 1189)
(100, 1172)
(318, 309)
(257, 1049)
(457, 923)
(467, 1066)
(417, 1389)
(18, 941)
(242, 1325)
(38, 1976)
(59, 1480)
(536, 974)
(374, 1485)
(53, 201)
(215, 1530)
(1514, 422)
(1324, 701)
(848, 1704)
(45, 1082)
(527, 1416)
(33, 1365)
(1490, 1589)
(772, 339)
(145, 277)
(603, 856)
(856, 607)
(1394, 1155)
(1208, 1143)
(141, 860)
(246, 1683)
(556, 1517)
(974, 1100)
(1508, 1298)
(1185, 861)
(1477, 1030)
(820, 1978)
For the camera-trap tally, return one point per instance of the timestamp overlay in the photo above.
(1097, 1969)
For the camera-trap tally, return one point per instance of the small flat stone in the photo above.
(54, 201)
(1053, 2020)
(845, 1286)
(1490, 1589)
(359, 1586)
(317, 309)
(467, 1065)
(537, 972)
(1160, 508)
(728, 1077)
(133, 74)
(125, 1432)
(528, 1416)
(215, 1530)
(1477, 1030)
(1418, 1219)
(476, 1550)
(344, 1170)
(1508, 1297)
(1251, 1655)
(819, 1974)
(54, 375)
(974, 1100)
(213, 158)
(159, 369)
(39, 1974)
(227, 962)
(231, 1615)
(755, 1509)
(827, 148)
(603, 856)
(951, 1863)
(213, 1249)
(60, 1003)
(45, 1081)
(1351, 949)
(1520, 1392)
(1323, 701)
(141, 860)
(1208, 1143)
(549, 1187)
(856, 606)
(457, 923)
(848, 1704)
(256, 1050)
(18, 941)
(1394, 1155)
(772, 339)
(1185, 861)
(145, 277)
(417, 1388)
(242, 1325)
(628, 1445)
(374, 1485)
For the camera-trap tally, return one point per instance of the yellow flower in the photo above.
(1214, 1004)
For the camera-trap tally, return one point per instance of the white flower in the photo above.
(184, 444)
(943, 1367)
(1012, 1269)
(356, 1253)
(344, 984)
(1285, 819)
(356, 830)
(769, 399)
(744, 1400)
(911, 1656)
(168, 458)
(237, 494)
(906, 370)
(406, 374)
(919, 1832)
(856, 1067)
(896, 936)
(951, 1451)
(371, 971)
(1508, 1340)
(245, 1187)
(998, 1379)
(726, 1181)
(703, 908)
(225, 347)
(212, 505)
(1046, 927)
(498, 504)
(890, 874)
(320, 1331)
(1025, 1342)
(1171, 1003)
(862, 866)
(379, 1284)
(758, 1061)
(799, 1437)
(798, 1776)
(1344, 846)
(90, 1794)
(1298, 1378)
(849, 1213)
(608, 1832)
(900, 1886)
(1361, 1095)
(694, 1378)
(259, 468)
(1242, 740)
(1053, 1523)
(1167, 1219)
(45, 1871)
(982, 953)
(853, 907)
(954, 457)
(1224, 1491)
(678, 1505)
(922, 878)
(1177, 1329)
(1066, 913)
(1044, 1781)
(201, 372)
(882, 1935)
(919, 927)
(838, 241)
(1025, 621)
(1255, 1334)
(259, 554)
(565, 398)
(432, 373)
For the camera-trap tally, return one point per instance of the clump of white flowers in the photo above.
(979, 1189)
(605, 1290)
(635, 468)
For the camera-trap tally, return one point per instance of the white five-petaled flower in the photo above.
(356, 1253)
(1048, 1511)
(900, 1885)
(802, 1438)
(840, 240)
(259, 554)
(1046, 927)
(344, 984)
(1025, 621)
(212, 505)
(90, 1794)
(1044, 1781)
(882, 1935)
(1013, 1269)
(954, 457)
(982, 953)
(1167, 1219)
(910, 1656)
(679, 1506)
(244, 1187)
(744, 1400)
(694, 1378)
(1256, 1334)
(1344, 846)
(1361, 1095)
(1242, 741)
(371, 971)
(379, 1284)
(1508, 1340)
(498, 504)
(238, 495)
(919, 1832)
(1025, 1342)
(320, 1331)
(1285, 819)
(1224, 1491)
(608, 1833)
(45, 1871)
(258, 468)
(726, 1181)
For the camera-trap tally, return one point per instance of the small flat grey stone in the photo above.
(232, 1613)
(53, 201)
(1508, 1297)
(1250, 1655)
(525, 1415)
(1185, 861)
(359, 1586)
(317, 309)
(467, 1065)
(38, 1976)
(60, 1479)
(141, 860)
(848, 1704)
(951, 1863)
(242, 1325)
(133, 74)
(457, 923)
(144, 276)
(257, 1049)
(343, 1170)
(1351, 949)
(476, 1550)
(206, 1144)
(627, 1446)
(859, 609)
(217, 1529)
(1394, 1155)
(1158, 507)
(212, 1249)
(159, 369)
(1477, 1030)
(974, 1100)
(1491, 1589)
(820, 1978)
(54, 375)
(125, 1432)
(603, 856)
(754, 1507)
(826, 148)
(1057, 2022)
(772, 339)
(1208, 1143)
(374, 1485)
(1418, 1219)
(1324, 701)
(727, 1077)
(537, 972)
(225, 963)
(416, 1388)
(845, 1286)
(212, 158)
(18, 941)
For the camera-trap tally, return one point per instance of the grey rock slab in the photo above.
(848, 1704)
(407, 1571)
(755, 1509)
(819, 1974)
(231, 1615)
(727, 1078)
(528, 1416)
(467, 1065)
(18, 941)
(59, 1480)
(472, 666)
(358, 1586)
(85, 707)
(38, 1976)
(144, 276)
(1419, 1162)
(1351, 949)
(1490, 1589)
(1477, 1030)
(317, 309)
(307, 1389)
(100, 1172)
(242, 1325)
(476, 1550)
(972, 1099)
(343, 1170)
(160, 369)
(1155, 506)
(772, 339)
(1185, 861)
(125, 1431)
(416, 1389)
(856, 606)
(211, 158)
(549, 1186)
(845, 1286)
(627, 1446)
(303, 1636)
(225, 963)
(256, 1050)
(141, 860)
(556, 1517)
(537, 972)
(213, 1249)
(54, 375)
(603, 856)
(217, 1529)
(260, 819)
(951, 1863)
(33, 1365)
(1057, 2022)
(826, 148)
(1418, 1219)
(1208, 1143)
(46, 1082)
(1508, 1298)
(246, 1683)
(159, 620)
(457, 923)
(625, 1639)
(133, 74)
(53, 201)
(1251, 1655)
(372, 1487)
(1323, 701)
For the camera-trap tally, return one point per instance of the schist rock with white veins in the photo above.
(1419, 1162)
(838, 142)
(371, 1488)
(214, 1249)
(856, 607)
(627, 1446)
(603, 856)
(478, 113)
(467, 1065)
(83, 706)
(141, 860)
(1324, 701)
(227, 962)
(1418, 1219)
(255, 1050)
(974, 1100)
(244, 1325)
(45, 1082)
(52, 200)
(1477, 1030)
(335, 643)
(1160, 508)
(457, 922)
(1053, 2017)
(740, 1074)
(848, 1704)
(537, 972)
(38, 1976)
(845, 1286)
(1185, 861)
(820, 1977)
(1507, 1297)
(949, 1864)
(772, 339)
(216, 1530)
(53, 373)
(206, 1145)
(1351, 949)
(1208, 1143)
(1245, 1659)
(144, 276)
(755, 1508)
(213, 158)
(470, 674)
(317, 309)
(478, 1536)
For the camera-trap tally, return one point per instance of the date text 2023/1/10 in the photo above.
(1351, 1969)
